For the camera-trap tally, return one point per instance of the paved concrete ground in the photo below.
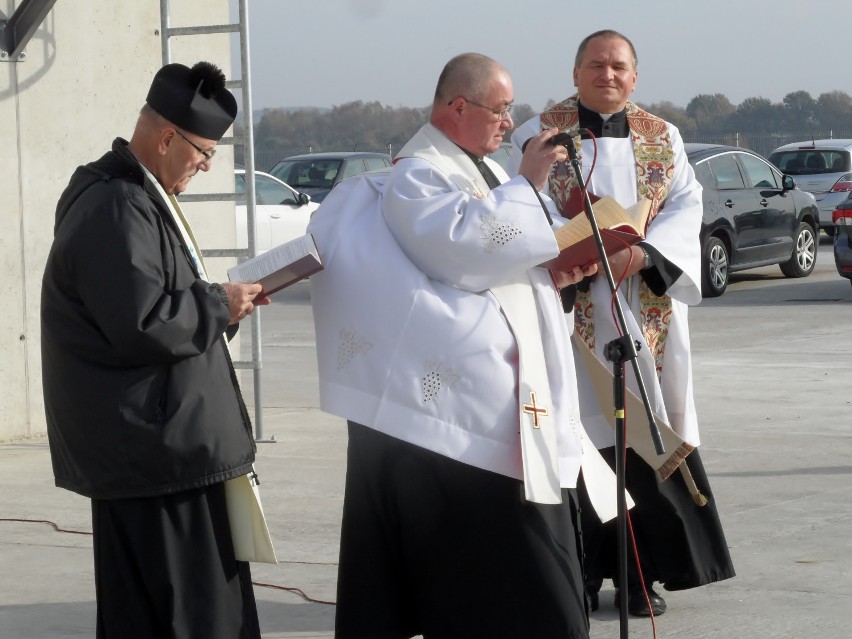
(772, 374)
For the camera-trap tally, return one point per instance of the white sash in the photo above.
(638, 435)
(249, 530)
(538, 432)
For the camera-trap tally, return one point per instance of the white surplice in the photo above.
(674, 232)
(411, 339)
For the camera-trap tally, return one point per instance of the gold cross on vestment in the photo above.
(535, 410)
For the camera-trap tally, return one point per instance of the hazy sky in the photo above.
(329, 52)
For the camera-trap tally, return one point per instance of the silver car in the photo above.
(821, 167)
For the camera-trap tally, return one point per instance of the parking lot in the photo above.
(772, 378)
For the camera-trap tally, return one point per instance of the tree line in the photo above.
(756, 123)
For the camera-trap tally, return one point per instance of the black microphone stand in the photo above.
(618, 351)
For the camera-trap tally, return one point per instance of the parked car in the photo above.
(753, 216)
(843, 238)
(281, 212)
(821, 167)
(316, 173)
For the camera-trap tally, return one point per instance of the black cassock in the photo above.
(681, 544)
(432, 546)
(165, 567)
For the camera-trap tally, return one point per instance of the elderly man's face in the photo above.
(184, 160)
(606, 76)
(482, 130)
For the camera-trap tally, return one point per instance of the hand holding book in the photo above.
(620, 228)
(280, 267)
(567, 278)
(242, 299)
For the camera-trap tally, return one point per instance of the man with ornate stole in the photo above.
(634, 155)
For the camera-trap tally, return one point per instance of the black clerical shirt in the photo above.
(662, 274)
(614, 127)
(492, 181)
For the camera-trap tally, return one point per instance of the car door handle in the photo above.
(764, 202)
(729, 204)
(275, 216)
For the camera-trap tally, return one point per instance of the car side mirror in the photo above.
(303, 198)
(788, 183)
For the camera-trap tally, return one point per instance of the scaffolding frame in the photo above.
(246, 139)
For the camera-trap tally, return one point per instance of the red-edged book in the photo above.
(619, 228)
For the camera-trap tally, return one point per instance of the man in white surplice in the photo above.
(634, 155)
(444, 345)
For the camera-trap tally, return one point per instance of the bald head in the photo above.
(472, 103)
(468, 75)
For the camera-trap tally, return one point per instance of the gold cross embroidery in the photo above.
(535, 410)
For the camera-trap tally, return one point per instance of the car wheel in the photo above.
(714, 269)
(803, 259)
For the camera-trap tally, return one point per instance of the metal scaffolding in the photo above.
(246, 139)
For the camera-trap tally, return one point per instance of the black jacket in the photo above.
(140, 394)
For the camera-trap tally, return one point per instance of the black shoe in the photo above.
(593, 599)
(637, 605)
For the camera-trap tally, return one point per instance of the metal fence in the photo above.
(763, 143)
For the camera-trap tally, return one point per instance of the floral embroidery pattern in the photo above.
(351, 344)
(654, 169)
(584, 318)
(651, 146)
(563, 185)
(437, 378)
(654, 155)
(656, 314)
(496, 234)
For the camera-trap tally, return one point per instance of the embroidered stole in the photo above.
(654, 169)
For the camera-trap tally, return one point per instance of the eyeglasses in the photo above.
(501, 114)
(208, 155)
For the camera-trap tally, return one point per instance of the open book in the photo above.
(280, 267)
(619, 228)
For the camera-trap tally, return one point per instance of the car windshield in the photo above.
(266, 191)
(307, 173)
(811, 161)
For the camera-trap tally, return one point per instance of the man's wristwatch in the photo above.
(648, 263)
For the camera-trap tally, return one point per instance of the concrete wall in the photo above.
(84, 78)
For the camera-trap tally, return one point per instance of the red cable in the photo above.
(613, 298)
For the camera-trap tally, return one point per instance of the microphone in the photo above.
(563, 137)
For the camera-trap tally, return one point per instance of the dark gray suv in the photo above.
(820, 167)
